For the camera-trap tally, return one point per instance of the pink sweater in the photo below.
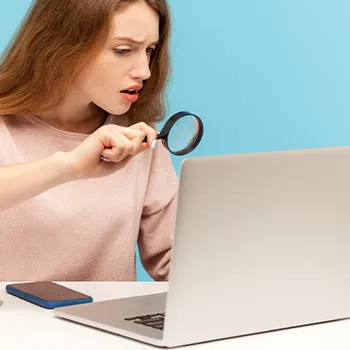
(88, 229)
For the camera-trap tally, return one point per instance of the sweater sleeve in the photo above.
(158, 217)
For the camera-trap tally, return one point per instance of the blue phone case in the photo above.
(45, 303)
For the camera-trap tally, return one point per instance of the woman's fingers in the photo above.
(150, 133)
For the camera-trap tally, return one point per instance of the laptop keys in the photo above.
(155, 320)
(158, 327)
(147, 321)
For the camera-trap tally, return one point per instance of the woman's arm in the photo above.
(157, 226)
(20, 182)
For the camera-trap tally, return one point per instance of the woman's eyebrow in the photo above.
(134, 41)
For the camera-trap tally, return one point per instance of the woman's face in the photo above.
(124, 61)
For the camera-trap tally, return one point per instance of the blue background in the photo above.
(263, 75)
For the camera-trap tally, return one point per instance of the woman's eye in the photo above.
(150, 50)
(121, 51)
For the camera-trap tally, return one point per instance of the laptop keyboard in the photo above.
(155, 320)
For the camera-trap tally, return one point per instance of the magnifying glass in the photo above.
(181, 133)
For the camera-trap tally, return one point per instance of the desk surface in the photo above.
(28, 326)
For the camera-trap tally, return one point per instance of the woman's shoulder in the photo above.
(12, 120)
(4, 122)
(7, 146)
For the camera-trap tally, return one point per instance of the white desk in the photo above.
(27, 326)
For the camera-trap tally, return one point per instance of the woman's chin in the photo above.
(119, 110)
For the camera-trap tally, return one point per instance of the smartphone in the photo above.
(48, 295)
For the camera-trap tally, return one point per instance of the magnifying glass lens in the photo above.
(183, 133)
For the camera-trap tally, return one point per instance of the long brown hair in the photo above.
(56, 39)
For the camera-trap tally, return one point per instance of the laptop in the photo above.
(261, 244)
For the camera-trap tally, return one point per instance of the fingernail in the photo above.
(154, 144)
(104, 159)
(104, 155)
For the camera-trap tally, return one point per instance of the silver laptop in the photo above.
(261, 243)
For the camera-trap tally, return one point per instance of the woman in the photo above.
(81, 86)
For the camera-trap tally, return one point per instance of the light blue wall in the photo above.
(263, 75)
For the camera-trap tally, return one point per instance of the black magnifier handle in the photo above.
(159, 136)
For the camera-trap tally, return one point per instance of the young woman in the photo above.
(81, 86)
